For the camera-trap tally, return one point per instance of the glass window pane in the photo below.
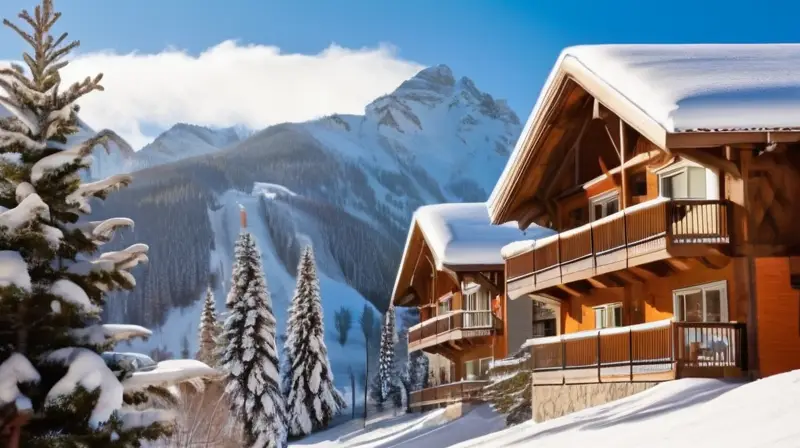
(678, 188)
(599, 318)
(697, 182)
(617, 316)
(598, 211)
(693, 306)
(612, 206)
(714, 305)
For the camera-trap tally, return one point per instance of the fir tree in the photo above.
(52, 281)
(311, 399)
(343, 319)
(185, 351)
(209, 331)
(387, 369)
(250, 361)
(418, 365)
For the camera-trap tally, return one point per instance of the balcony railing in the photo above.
(449, 393)
(643, 228)
(647, 352)
(455, 320)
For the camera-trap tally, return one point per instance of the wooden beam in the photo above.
(565, 161)
(603, 281)
(678, 264)
(644, 272)
(623, 149)
(481, 279)
(629, 277)
(569, 290)
(707, 159)
(711, 139)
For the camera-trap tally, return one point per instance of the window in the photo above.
(477, 369)
(607, 316)
(704, 303)
(444, 306)
(604, 205)
(639, 184)
(688, 182)
(544, 328)
(475, 301)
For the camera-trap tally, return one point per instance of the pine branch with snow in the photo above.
(250, 362)
(209, 331)
(53, 284)
(311, 398)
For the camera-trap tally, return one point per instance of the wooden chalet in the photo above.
(452, 271)
(669, 173)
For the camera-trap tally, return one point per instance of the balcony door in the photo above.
(477, 308)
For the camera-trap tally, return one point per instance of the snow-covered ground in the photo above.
(688, 412)
(431, 429)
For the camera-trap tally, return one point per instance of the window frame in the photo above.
(603, 199)
(608, 310)
(678, 168)
(721, 286)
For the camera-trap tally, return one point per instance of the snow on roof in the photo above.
(682, 88)
(461, 234)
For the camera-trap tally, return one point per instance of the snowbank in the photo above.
(688, 412)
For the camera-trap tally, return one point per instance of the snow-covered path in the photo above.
(702, 412)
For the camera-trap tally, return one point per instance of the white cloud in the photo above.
(232, 84)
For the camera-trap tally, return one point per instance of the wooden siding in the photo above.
(778, 311)
(646, 302)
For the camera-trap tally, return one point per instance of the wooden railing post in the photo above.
(599, 378)
(630, 350)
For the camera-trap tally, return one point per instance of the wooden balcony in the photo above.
(464, 391)
(658, 351)
(452, 331)
(644, 233)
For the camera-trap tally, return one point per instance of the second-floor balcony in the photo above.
(452, 328)
(644, 233)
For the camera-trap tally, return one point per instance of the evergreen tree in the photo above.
(344, 321)
(311, 399)
(250, 360)
(387, 369)
(185, 351)
(209, 331)
(52, 281)
(418, 365)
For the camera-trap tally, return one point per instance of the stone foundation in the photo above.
(550, 402)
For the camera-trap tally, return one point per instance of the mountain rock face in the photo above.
(181, 141)
(346, 184)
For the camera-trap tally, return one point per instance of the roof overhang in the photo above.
(503, 202)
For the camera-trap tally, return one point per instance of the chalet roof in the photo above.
(459, 236)
(676, 89)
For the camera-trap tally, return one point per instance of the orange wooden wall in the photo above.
(778, 311)
(649, 302)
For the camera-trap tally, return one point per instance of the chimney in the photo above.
(242, 216)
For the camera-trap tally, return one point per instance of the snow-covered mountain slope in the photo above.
(178, 142)
(346, 184)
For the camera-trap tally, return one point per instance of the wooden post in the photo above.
(630, 351)
(599, 380)
(242, 217)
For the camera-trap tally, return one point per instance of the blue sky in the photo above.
(506, 46)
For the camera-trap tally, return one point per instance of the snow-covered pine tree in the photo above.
(311, 399)
(418, 365)
(250, 361)
(52, 283)
(387, 368)
(209, 331)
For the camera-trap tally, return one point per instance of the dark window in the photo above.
(639, 184)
